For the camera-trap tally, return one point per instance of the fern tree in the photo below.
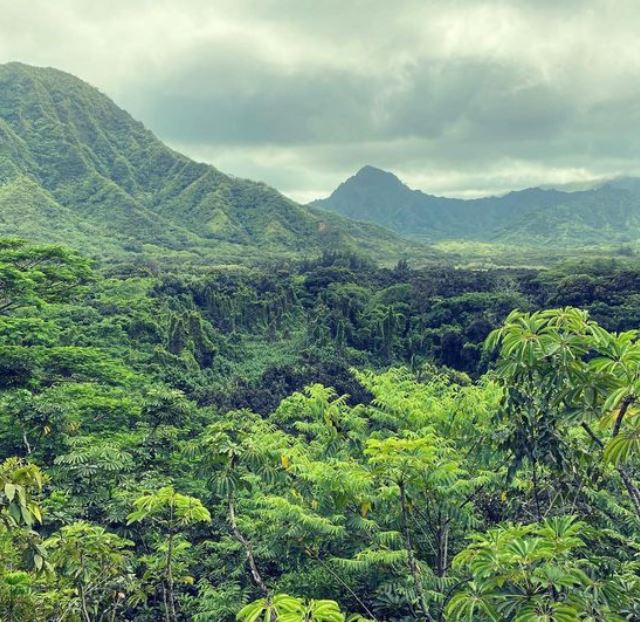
(376, 493)
(234, 454)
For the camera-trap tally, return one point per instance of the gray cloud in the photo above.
(457, 97)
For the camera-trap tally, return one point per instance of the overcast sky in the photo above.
(456, 97)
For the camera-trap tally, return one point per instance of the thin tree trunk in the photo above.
(167, 616)
(413, 565)
(632, 489)
(340, 580)
(168, 570)
(536, 488)
(25, 440)
(83, 604)
(443, 549)
(169, 579)
(624, 406)
(115, 609)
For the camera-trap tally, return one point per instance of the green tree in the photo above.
(538, 572)
(97, 565)
(560, 370)
(33, 274)
(20, 482)
(285, 608)
(169, 512)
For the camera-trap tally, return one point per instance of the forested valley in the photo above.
(317, 440)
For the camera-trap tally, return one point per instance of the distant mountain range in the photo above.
(76, 169)
(608, 213)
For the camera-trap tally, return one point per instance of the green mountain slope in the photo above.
(606, 214)
(75, 167)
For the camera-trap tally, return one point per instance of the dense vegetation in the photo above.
(317, 440)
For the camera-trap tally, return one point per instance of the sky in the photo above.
(457, 97)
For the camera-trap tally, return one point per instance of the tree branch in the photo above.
(247, 547)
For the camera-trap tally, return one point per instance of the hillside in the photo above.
(76, 168)
(602, 215)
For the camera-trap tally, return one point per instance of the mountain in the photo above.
(76, 168)
(607, 213)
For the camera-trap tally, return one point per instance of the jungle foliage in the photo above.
(317, 441)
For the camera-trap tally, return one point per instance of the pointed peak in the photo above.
(371, 171)
(372, 176)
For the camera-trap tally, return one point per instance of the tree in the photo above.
(285, 608)
(33, 274)
(229, 452)
(97, 565)
(19, 599)
(19, 483)
(537, 572)
(561, 370)
(415, 467)
(169, 512)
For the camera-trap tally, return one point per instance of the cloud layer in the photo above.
(457, 97)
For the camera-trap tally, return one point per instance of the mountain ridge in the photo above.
(606, 213)
(103, 172)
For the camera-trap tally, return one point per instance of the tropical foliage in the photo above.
(317, 443)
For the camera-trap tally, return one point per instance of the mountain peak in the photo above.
(369, 169)
(370, 174)
(542, 214)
